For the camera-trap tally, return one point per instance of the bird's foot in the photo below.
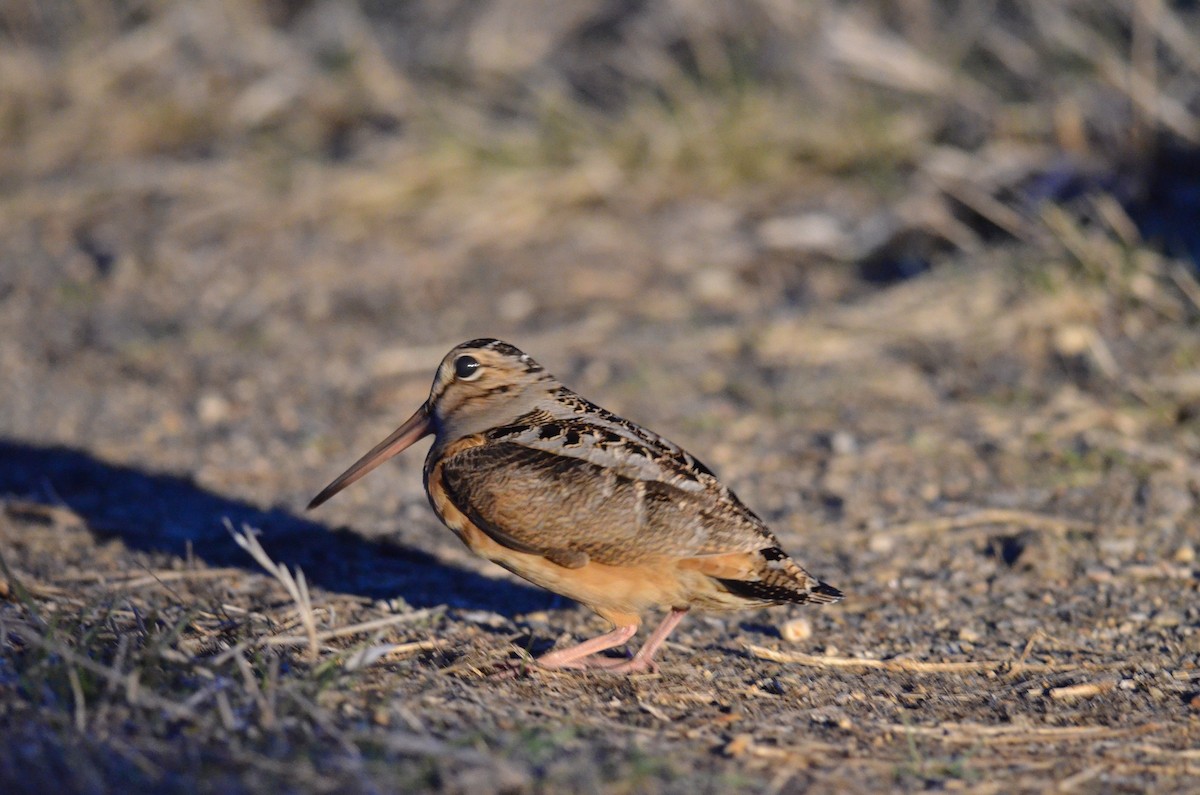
(515, 669)
(631, 666)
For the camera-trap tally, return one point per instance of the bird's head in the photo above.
(479, 385)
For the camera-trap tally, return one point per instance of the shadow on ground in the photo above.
(164, 513)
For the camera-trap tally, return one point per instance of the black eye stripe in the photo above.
(466, 367)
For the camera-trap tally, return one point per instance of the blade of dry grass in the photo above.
(1028, 520)
(1081, 690)
(295, 585)
(917, 666)
(977, 732)
(369, 655)
(354, 629)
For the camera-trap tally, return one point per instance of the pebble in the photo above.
(843, 443)
(881, 544)
(1080, 691)
(1186, 553)
(715, 285)
(212, 409)
(797, 629)
(1167, 618)
(814, 233)
(486, 618)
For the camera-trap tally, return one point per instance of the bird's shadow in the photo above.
(171, 514)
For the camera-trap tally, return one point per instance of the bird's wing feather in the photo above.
(572, 510)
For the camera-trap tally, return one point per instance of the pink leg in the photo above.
(576, 656)
(644, 659)
(580, 656)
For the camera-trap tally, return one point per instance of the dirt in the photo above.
(996, 461)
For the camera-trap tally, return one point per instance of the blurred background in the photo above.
(882, 264)
(207, 201)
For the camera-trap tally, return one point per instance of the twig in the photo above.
(370, 655)
(914, 666)
(77, 696)
(295, 585)
(1178, 753)
(1069, 783)
(1082, 690)
(1020, 663)
(989, 516)
(353, 629)
(1009, 734)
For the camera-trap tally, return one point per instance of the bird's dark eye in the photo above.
(466, 368)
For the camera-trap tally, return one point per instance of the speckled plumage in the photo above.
(585, 503)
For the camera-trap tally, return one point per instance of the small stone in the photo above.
(968, 635)
(212, 409)
(715, 285)
(485, 617)
(796, 630)
(1167, 618)
(1080, 691)
(393, 605)
(1186, 553)
(1194, 703)
(813, 233)
(881, 544)
(1073, 339)
(843, 443)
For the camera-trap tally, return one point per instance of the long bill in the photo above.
(415, 427)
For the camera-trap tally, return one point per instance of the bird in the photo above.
(586, 504)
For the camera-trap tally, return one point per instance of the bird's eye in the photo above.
(466, 368)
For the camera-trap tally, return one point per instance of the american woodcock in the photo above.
(585, 504)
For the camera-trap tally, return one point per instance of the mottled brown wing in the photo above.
(571, 510)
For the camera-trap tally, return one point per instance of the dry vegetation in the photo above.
(235, 238)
